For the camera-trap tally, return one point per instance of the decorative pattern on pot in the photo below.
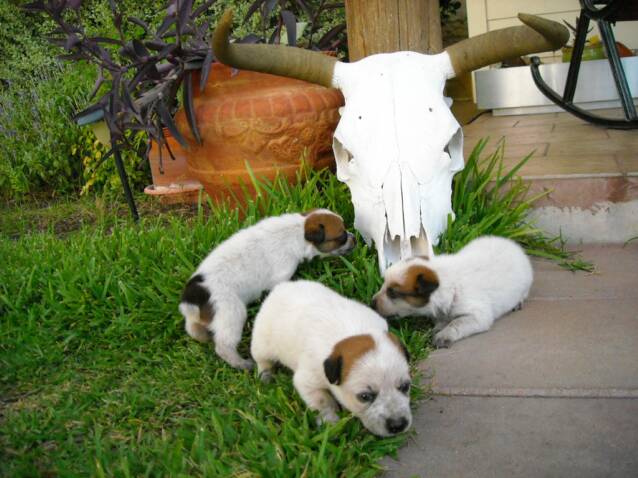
(267, 121)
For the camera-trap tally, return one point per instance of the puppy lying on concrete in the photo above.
(463, 293)
(341, 353)
(249, 262)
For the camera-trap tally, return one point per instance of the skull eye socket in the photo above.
(342, 154)
(349, 156)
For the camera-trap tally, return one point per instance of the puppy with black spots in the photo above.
(248, 263)
(464, 293)
(341, 353)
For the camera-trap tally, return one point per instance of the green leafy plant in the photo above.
(487, 199)
(36, 135)
(101, 176)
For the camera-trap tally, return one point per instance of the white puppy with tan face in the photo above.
(340, 352)
(463, 293)
(248, 263)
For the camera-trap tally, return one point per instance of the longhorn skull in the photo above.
(397, 144)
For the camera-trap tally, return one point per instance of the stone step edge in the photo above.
(535, 392)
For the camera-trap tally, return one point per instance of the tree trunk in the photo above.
(383, 26)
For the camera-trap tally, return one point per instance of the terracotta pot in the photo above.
(267, 121)
(172, 180)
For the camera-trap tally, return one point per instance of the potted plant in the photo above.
(593, 47)
(143, 79)
(269, 121)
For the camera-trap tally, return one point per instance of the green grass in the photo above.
(98, 378)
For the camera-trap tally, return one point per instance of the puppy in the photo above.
(249, 262)
(463, 293)
(341, 353)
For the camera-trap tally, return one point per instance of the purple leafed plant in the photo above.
(140, 78)
(331, 40)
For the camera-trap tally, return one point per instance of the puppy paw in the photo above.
(245, 364)
(438, 326)
(327, 416)
(442, 340)
(266, 376)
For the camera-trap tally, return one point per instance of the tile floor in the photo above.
(581, 164)
(563, 145)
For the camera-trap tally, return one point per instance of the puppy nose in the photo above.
(373, 303)
(396, 425)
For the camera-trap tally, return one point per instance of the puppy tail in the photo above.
(196, 309)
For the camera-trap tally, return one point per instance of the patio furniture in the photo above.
(611, 12)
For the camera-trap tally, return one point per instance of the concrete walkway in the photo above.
(550, 391)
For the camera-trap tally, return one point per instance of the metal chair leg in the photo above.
(609, 42)
(577, 55)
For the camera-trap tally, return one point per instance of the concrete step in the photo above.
(521, 437)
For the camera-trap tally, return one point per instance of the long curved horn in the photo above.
(275, 59)
(537, 35)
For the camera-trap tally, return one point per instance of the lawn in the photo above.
(98, 378)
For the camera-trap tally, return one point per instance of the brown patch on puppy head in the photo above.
(395, 340)
(325, 230)
(415, 287)
(344, 355)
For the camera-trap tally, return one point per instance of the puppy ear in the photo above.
(344, 355)
(425, 287)
(399, 344)
(332, 368)
(315, 234)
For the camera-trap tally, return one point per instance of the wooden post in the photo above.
(383, 26)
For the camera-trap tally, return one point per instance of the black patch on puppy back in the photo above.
(332, 369)
(195, 293)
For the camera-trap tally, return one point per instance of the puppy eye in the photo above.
(392, 294)
(366, 397)
(404, 387)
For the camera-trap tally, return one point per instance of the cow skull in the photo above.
(397, 144)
